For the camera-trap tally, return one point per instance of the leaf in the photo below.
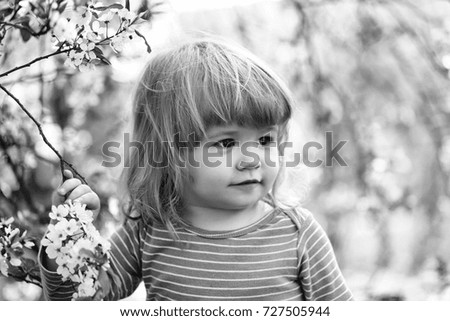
(146, 15)
(62, 7)
(103, 59)
(28, 265)
(14, 235)
(112, 6)
(98, 52)
(18, 251)
(149, 49)
(105, 285)
(9, 221)
(87, 253)
(127, 4)
(4, 6)
(115, 279)
(16, 272)
(83, 298)
(26, 35)
(21, 20)
(101, 259)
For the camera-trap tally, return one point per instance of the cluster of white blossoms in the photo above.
(87, 28)
(81, 29)
(12, 244)
(77, 247)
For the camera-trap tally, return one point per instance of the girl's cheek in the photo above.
(272, 158)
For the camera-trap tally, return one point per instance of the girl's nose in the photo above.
(249, 159)
(242, 165)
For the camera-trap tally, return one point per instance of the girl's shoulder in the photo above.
(299, 215)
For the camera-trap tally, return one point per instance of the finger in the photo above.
(79, 191)
(57, 198)
(67, 174)
(98, 295)
(90, 199)
(68, 186)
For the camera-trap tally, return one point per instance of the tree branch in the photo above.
(57, 52)
(62, 160)
(25, 280)
(23, 189)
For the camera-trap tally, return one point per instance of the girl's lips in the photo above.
(247, 182)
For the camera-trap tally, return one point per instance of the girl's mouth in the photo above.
(248, 182)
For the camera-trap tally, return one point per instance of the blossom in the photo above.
(82, 16)
(107, 16)
(58, 212)
(5, 222)
(12, 233)
(87, 288)
(28, 244)
(95, 32)
(126, 14)
(11, 245)
(85, 67)
(62, 259)
(25, 8)
(53, 251)
(77, 208)
(86, 217)
(77, 247)
(118, 42)
(75, 278)
(71, 227)
(64, 270)
(14, 261)
(64, 30)
(74, 59)
(54, 237)
(87, 48)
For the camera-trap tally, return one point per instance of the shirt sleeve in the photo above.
(319, 273)
(125, 270)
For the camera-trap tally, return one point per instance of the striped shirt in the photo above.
(286, 255)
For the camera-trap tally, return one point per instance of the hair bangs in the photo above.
(232, 89)
(243, 106)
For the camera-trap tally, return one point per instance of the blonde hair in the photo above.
(182, 91)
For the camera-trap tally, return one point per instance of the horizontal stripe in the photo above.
(224, 297)
(187, 251)
(216, 262)
(215, 245)
(231, 279)
(218, 270)
(284, 256)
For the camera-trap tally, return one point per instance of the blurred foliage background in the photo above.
(374, 73)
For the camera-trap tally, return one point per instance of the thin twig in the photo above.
(50, 75)
(57, 52)
(23, 189)
(25, 280)
(62, 160)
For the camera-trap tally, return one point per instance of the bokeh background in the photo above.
(374, 73)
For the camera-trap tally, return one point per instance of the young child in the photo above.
(206, 222)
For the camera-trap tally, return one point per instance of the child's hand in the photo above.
(73, 189)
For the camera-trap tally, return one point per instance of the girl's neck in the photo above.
(213, 219)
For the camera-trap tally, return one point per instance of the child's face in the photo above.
(233, 168)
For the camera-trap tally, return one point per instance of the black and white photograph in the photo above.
(225, 150)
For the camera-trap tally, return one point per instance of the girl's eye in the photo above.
(266, 140)
(226, 143)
